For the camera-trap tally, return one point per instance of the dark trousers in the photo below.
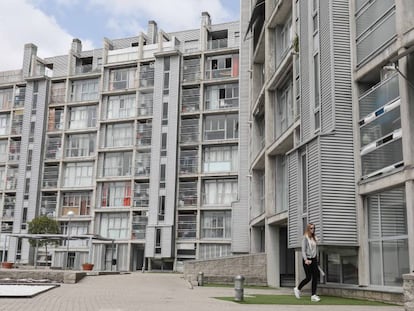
(312, 273)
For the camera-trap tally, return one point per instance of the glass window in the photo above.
(220, 191)
(82, 117)
(387, 237)
(220, 159)
(118, 135)
(114, 225)
(114, 194)
(116, 164)
(221, 127)
(78, 174)
(216, 225)
(119, 107)
(82, 145)
(123, 78)
(85, 90)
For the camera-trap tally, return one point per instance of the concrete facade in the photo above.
(331, 91)
(137, 141)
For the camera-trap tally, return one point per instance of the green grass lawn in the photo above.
(291, 300)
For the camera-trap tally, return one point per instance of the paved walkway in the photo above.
(150, 292)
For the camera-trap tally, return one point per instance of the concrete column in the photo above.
(273, 255)
(408, 288)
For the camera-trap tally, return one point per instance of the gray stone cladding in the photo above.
(408, 288)
(224, 270)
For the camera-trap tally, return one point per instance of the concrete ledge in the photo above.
(54, 276)
(394, 296)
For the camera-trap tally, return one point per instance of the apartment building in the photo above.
(135, 142)
(328, 86)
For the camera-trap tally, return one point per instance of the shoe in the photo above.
(315, 298)
(297, 292)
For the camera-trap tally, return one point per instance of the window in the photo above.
(161, 208)
(78, 174)
(209, 251)
(82, 117)
(77, 202)
(163, 144)
(3, 150)
(4, 124)
(114, 225)
(116, 164)
(281, 183)
(387, 237)
(119, 107)
(284, 110)
(222, 96)
(114, 194)
(220, 159)
(85, 90)
(118, 135)
(6, 98)
(219, 67)
(120, 79)
(216, 225)
(82, 145)
(219, 191)
(304, 179)
(221, 127)
(316, 65)
(157, 241)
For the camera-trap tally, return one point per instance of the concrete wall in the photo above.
(223, 270)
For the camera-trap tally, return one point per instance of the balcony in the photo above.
(14, 150)
(142, 164)
(144, 133)
(48, 204)
(187, 226)
(189, 162)
(189, 131)
(187, 194)
(139, 226)
(191, 70)
(217, 44)
(141, 195)
(381, 94)
(190, 100)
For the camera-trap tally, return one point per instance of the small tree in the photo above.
(43, 225)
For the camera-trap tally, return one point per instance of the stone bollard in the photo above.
(200, 279)
(408, 288)
(239, 288)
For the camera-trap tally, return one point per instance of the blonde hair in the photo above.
(309, 233)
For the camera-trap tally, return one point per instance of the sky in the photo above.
(52, 24)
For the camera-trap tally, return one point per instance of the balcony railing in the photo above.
(217, 44)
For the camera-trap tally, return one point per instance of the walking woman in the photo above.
(310, 262)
